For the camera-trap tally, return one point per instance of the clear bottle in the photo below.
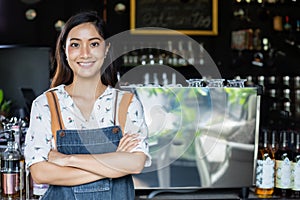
(274, 144)
(182, 54)
(191, 56)
(10, 169)
(283, 166)
(296, 168)
(265, 168)
(286, 103)
(125, 55)
(286, 82)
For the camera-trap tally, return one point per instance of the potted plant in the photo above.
(5, 105)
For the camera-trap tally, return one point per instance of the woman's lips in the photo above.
(85, 64)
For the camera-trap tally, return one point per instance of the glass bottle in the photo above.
(261, 81)
(277, 23)
(283, 163)
(191, 56)
(298, 25)
(296, 82)
(264, 168)
(286, 82)
(182, 54)
(297, 104)
(287, 25)
(296, 167)
(125, 55)
(10, 169)
(286, 103)
(273, 147)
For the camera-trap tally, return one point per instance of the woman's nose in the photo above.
(85, 52)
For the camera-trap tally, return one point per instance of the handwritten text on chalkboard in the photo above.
(184, 15)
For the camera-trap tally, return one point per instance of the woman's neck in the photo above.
(84, 95)
(88, 89)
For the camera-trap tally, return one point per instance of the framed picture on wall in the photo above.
(190, 17)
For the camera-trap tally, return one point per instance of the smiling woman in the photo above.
(102, 139)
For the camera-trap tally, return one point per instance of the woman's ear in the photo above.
(107, 49)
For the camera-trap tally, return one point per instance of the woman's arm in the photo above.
(49, 173)
(112, 165)
(62, 169)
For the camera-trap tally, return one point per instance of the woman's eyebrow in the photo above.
(94, 38)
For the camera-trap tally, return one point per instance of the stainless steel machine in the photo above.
(200, 137)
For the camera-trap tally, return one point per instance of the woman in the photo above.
(75, 164)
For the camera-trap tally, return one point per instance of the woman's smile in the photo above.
(86, 64)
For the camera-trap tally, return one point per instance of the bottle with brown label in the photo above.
(264, 168)
(283, 166)
(296, 168)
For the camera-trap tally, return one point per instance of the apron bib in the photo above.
(90, 141)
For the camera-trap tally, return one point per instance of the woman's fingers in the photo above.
(57, 158)
(128, 142)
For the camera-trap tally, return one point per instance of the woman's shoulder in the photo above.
(42, 98)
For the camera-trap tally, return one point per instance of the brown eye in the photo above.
(74, 45)
(95, 44)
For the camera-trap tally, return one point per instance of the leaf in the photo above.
(1, 96)
(5, 107)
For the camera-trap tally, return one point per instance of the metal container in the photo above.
(200, 137)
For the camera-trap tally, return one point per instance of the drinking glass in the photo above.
(195, 82)
(240, 83)
(215, 82)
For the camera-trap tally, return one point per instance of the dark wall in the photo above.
(16, 29)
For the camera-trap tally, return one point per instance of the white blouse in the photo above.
(39, 139)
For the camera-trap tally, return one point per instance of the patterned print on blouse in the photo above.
(70, 120)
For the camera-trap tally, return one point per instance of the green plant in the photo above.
(4, 104)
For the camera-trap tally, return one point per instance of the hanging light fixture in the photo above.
(30, 14)
(59, 24)
(120, 8)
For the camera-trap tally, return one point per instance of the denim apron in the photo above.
(91, 141)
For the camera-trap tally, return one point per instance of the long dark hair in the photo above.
(63, 73)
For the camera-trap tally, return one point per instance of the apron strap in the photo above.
(123, 108)
(115, 108)
(56, 119)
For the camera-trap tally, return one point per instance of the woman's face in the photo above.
(85, 51)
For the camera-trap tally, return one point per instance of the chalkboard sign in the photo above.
(191, 17)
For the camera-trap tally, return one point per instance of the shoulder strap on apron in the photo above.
(56, 119)
(123, 108)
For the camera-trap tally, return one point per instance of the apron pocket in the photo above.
(97, 186)
(93, 191)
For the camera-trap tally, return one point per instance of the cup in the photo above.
(240, 83)
(215, 82)
(195, 82)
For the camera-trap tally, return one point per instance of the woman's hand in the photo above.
(128, 142)
(58, 158)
